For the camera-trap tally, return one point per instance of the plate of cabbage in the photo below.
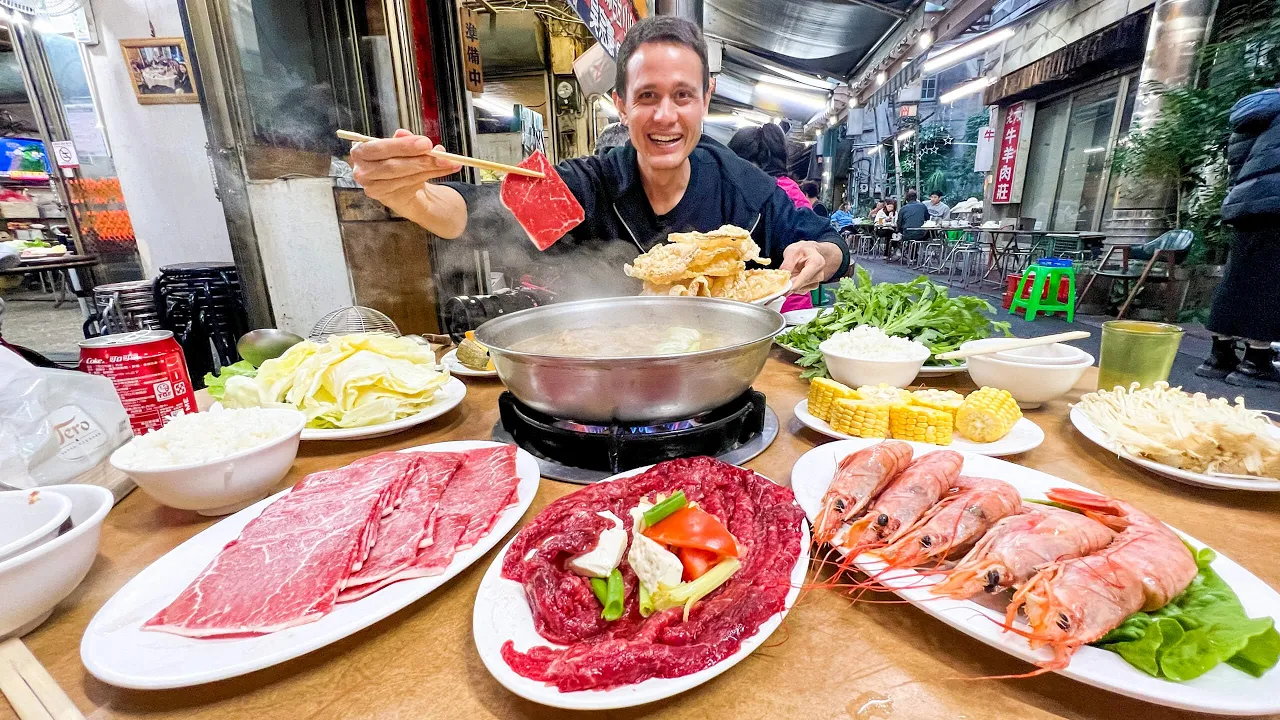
(356, 386)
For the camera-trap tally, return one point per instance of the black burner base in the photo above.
(575, 452)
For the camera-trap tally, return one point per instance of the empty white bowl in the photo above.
(856, 371)
(224, 485)
(1029, 383)
(29, 518)
(33, 583)
(1055, 354)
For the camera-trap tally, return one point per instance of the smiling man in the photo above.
(669, 178)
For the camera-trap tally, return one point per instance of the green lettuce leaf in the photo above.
(217, 384)
(1200, 628)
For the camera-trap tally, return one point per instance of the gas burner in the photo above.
(586, 453)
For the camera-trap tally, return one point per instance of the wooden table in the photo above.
(827, 661)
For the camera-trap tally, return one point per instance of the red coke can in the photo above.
(149, 372)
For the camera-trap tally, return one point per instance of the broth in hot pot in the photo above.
(621, 341)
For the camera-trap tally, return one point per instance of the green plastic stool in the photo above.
(1048, 274)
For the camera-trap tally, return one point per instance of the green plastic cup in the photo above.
(1135, 351)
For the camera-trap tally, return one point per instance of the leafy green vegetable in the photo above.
(1200, 628)
(920, 310)
(646, 601)
(217, 384)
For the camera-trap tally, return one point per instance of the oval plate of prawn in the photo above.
(1023, 436)
(1223, 690)
(1219, 482)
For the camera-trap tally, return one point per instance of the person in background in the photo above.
(912, 217)
(1246, 305)
(614, 135)
(938, 210)
(885, 213)
(810, 190)
(766, 148)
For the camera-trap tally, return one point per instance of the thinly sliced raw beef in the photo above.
(290, 562)
(402, 532)
(545, 207)
(480, 489)
(429, 562)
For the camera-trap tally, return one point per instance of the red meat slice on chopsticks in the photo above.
(545, 207)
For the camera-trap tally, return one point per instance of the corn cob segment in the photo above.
(987, 415)
(860, 418)
(823, 392)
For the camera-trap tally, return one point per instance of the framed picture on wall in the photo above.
(160, 70)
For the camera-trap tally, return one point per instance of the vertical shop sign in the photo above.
(1006, 160)
(985, 155)
(472, 69)
(608, 21)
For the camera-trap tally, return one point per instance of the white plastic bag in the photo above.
(55, 424)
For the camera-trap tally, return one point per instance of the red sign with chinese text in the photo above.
(1008, 157)
(608, 21)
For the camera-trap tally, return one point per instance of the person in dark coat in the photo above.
(1246, 305)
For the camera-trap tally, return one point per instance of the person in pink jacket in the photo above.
(766, 148)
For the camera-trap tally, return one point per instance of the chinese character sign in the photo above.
(1007, 157)
(472, 69)
(985, 155)
(608, 21)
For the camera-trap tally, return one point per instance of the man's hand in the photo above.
(810, 263)
(395, 172)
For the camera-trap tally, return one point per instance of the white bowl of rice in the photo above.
(866, 355)
(214, 463)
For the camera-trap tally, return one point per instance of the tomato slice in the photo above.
(697, 562)
(690, 527)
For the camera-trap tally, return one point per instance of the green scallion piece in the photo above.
(659, 512)
(601, 589)
(613, 601)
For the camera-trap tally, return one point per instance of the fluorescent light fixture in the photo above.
(495, 105)
(755, 116)
(967, 50)
(784, 82)
(926, 39)
(880, 78)
(969, 88)
(782, 93)
(904, 135)
(726, 119)
(608, 106)
(873, 150)
(1090, 151)
(797, 77)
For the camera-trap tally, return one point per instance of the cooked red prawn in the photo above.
(859, 477)
(906, 499)
(954, 523)
(1019, 545)
(1075, 602)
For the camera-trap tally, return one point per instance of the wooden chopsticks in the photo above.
(460, 159)
(30, 689)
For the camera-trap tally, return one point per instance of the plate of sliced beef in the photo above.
(337, 552)
(641, 586)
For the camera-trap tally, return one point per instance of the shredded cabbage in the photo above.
(352, 380)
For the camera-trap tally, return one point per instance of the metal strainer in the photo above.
(354, 319)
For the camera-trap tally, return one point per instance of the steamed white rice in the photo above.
(206, 437)
(866, 342)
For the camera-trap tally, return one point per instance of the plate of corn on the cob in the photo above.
(987, 421)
